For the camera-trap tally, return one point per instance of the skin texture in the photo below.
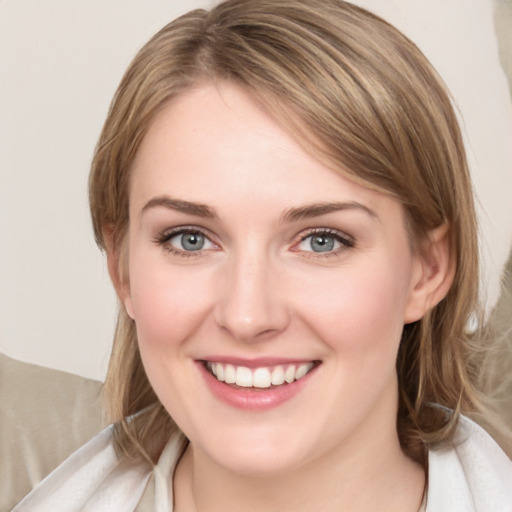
(258, 289)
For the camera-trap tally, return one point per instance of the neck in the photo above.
(373, 475)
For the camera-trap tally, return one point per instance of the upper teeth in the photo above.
(259, 377)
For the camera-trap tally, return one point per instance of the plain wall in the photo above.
(60, 63)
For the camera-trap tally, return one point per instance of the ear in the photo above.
(433, 274)
(118, 268)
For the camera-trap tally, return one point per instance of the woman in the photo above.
(283, 197)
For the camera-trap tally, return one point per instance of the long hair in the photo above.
(360, 97)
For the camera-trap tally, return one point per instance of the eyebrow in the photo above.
(311, 211)
(198, 209)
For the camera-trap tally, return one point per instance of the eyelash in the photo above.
(346, 241)
(163, 240)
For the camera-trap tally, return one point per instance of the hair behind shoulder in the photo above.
(363, 99)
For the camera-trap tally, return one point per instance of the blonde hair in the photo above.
(361, 97)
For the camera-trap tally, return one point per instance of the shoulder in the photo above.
(473, 475)
(92, 479)
(45, 416)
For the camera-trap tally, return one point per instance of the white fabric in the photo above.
(474, 476)
(91, 480)
(164, 471)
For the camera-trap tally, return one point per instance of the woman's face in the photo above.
(250, 259)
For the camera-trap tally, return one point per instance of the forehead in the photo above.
(215, 145)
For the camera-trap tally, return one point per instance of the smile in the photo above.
(257, 385)
(262, 377)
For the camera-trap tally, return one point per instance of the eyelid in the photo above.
(347, 241)
(164, 236)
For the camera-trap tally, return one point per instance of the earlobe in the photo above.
(117, 268)
(433, 275)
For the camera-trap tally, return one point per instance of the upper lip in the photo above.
(257, 362)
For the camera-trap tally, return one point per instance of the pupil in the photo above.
(192, 241)
(322, 243)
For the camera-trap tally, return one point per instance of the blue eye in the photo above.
(188, 241)
(324, 242)
(185, 241)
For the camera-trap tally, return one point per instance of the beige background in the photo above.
(60, 62)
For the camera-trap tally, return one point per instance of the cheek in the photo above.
(169, 308)
(360, 310)
(167, 303)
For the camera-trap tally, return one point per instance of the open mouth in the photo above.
(266, 377)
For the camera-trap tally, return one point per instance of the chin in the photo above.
(259, 453)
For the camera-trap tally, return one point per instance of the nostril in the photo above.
(249, 331)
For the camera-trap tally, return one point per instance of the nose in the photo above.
(252, 304)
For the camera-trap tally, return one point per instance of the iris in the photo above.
(322, 243)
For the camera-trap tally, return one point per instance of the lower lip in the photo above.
(253, 399)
